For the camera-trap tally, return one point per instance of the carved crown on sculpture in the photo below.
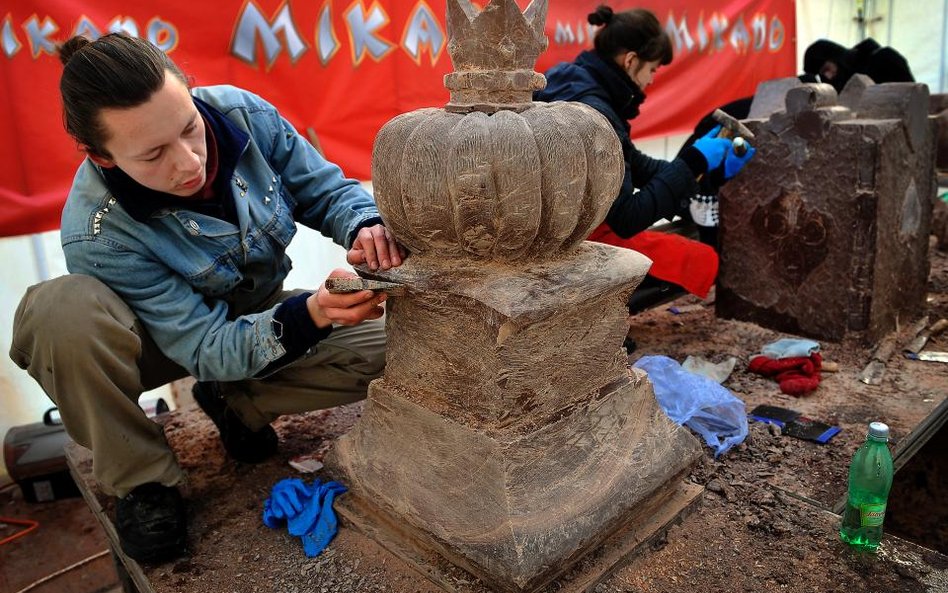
(494, 175)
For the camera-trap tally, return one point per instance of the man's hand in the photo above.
(375, 247)
(353, 308)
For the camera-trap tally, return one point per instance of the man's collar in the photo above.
(141, 202)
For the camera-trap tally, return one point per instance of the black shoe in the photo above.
(152, 523)
(240, 442)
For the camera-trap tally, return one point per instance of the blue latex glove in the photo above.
(712, 148)
(286, 500)
(306, 510)
(326, 526)
(733, 163)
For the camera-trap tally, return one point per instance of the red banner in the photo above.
(340, 69)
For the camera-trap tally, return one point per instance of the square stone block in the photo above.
(516, 510)
(492, 345)
(825, 233)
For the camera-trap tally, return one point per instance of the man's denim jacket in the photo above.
(198, 283)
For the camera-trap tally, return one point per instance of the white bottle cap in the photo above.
(879, 430)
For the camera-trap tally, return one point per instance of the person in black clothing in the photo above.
(629, 48)
(834, 64)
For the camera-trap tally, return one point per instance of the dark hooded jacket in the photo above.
(881, 64)
(664, 187)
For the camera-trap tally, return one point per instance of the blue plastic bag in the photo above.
(697, 402)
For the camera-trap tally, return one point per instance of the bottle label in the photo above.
(871, 515)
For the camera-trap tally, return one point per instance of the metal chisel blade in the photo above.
(346, 285)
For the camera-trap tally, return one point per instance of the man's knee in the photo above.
(372, 349)
(68, 310)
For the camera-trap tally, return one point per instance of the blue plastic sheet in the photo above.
(697, 402)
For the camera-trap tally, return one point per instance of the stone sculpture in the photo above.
(508, 434)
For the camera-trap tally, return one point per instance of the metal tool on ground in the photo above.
(916, 345)
(731, 127)
(347, 285)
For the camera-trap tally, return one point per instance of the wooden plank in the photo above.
(79, 460)
(921, 435)
(915, 440)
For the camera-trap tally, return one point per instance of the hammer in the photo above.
(732, 127)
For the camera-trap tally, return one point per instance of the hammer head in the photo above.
(731, 124)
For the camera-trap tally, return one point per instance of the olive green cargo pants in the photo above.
(93, 358)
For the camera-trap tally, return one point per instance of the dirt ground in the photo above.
(763, 523)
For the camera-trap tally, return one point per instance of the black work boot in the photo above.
(240, 442)
(152, 523)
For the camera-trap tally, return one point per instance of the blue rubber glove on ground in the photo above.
(713, 149)
(306, 510)
(733, 163)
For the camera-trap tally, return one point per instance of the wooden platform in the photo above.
(132, 577)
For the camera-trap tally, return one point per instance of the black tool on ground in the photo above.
(35, 460)
(794, 424)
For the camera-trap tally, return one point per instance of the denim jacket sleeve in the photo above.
(327, 200)
(190, 329)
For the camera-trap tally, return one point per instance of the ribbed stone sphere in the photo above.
(505, 186)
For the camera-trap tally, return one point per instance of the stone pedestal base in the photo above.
(515, 512)
(507, 433)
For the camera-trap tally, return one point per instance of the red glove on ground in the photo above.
(797, 375)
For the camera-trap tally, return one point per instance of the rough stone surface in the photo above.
(506, 434)
(511, 508)
(505, 185)
(508, 347)
(506, 426)
(826, 232)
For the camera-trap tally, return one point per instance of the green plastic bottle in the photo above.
(870, 478)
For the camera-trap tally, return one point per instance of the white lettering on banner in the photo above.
(718, 25)
(256, 34)
(423, 31)
(679, 34)
(252, 24)
(162, 34)
(563, 33)
(702, 35)
(740, 38)
(11, 45)
(125, 25)
(327, 44)
(759, 29)
(777, 34)
(716, 36)
(85, 26)
(362, 28)
(37, 34)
